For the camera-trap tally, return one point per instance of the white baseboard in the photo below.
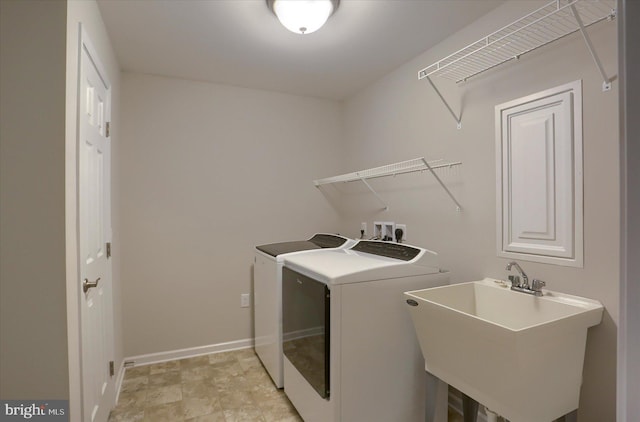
(191, 352)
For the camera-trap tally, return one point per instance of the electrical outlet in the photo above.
(377, 230)
(389, 229)
(403, 227)
(383, 230)
(244, 300)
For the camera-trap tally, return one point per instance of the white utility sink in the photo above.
(518, 354)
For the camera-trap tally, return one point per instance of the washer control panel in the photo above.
(387, 249)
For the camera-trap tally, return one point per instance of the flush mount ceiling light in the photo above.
(303, 16)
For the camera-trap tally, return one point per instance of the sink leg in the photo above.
(469, 409)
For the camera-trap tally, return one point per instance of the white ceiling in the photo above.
(240, 42)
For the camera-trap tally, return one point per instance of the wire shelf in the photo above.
(551, 22)
(409, 166)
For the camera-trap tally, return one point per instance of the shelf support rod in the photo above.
(442, 184)
(606, 84)
(457, 119)
(386, 207)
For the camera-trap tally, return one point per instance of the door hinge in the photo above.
(112, 369)
(108, 249)
(107, 129)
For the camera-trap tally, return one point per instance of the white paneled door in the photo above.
(96, 310)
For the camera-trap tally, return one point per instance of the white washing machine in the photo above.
(267, 295)
(350, 350)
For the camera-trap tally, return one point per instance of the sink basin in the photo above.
(518, 354)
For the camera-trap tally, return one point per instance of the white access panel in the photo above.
(539, 176)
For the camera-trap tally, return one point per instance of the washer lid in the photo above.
(366, 261)
(318, 241)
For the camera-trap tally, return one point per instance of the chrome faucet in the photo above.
(535, 289)
(525, 279)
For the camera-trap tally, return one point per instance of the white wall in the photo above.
(32, 207)
(207, 172)
(39, 355)
(399, 118)
(87, 13)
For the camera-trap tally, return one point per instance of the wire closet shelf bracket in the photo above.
(409, 166)
(549, 23)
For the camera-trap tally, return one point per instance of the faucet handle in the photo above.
(537, 285)
(515, 280)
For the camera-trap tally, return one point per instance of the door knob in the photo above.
(86, 284)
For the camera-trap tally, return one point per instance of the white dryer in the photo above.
(350, 350)
(267, 295)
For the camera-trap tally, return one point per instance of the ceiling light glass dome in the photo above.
(303, 16)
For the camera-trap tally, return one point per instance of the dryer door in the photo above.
(305, 327)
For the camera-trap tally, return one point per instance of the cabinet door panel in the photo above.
(539, 177)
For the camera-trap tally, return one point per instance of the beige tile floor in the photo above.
(454, 417)
(222, 387)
